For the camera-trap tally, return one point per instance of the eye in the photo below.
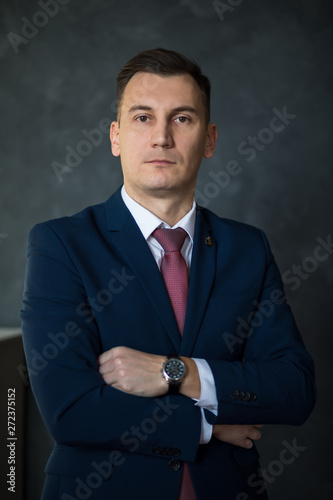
(182, 119)
(142, 118)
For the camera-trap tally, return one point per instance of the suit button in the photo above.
(176, 452)
(241, 395)
(175, 464)
(157, 451)
(234, 395)
(163, 451)
(253, 397)
(247, 396)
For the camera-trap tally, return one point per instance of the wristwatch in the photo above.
(174, 371)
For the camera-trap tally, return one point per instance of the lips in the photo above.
(161, 161)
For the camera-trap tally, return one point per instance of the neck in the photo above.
(169, 209)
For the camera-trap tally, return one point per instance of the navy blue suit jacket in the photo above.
(93, 284)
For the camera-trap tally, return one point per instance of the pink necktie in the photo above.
(174, 272)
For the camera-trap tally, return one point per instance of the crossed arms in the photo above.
(105, 388)
(139, 373)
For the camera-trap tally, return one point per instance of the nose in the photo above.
(161, 135)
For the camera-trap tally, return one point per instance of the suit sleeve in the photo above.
(274, 382)
(61, 350)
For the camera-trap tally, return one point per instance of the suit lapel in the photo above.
(202, 275)
(127, 238)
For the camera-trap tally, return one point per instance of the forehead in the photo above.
(162, 91)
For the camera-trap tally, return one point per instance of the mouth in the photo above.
(161, 161)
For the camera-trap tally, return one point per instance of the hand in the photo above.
(239, 435)
(134, 372)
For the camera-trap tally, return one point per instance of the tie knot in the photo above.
(171, 240)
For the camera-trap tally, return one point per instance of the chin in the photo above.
(159, 190)
(161, 184)
(163, 190)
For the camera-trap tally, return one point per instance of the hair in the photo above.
(165, 63)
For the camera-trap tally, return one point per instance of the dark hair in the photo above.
(166, 63)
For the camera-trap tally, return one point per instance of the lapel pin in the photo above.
(209, 241)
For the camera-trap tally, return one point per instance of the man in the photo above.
(153, 385)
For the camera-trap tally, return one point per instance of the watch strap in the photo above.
(173, 388)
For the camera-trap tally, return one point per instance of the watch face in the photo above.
(174, 370)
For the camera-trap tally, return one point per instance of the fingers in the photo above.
(132, 371)
(254, 434)
(111, 354)
(110, 362)
(115, 359)
(247, 443)
(238, 435)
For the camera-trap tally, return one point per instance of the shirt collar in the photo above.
(148, 222)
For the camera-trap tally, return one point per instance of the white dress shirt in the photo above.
(147, 223)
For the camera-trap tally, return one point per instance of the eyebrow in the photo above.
(179, 109)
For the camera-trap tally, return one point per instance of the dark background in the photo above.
(259, 56)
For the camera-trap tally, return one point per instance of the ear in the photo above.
(114, 138)
(211, 138)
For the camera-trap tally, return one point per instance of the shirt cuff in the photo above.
(206, 429)
(208, 398)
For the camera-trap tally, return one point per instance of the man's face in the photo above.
(162, 135)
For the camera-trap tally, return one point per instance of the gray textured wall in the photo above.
(59, 79)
